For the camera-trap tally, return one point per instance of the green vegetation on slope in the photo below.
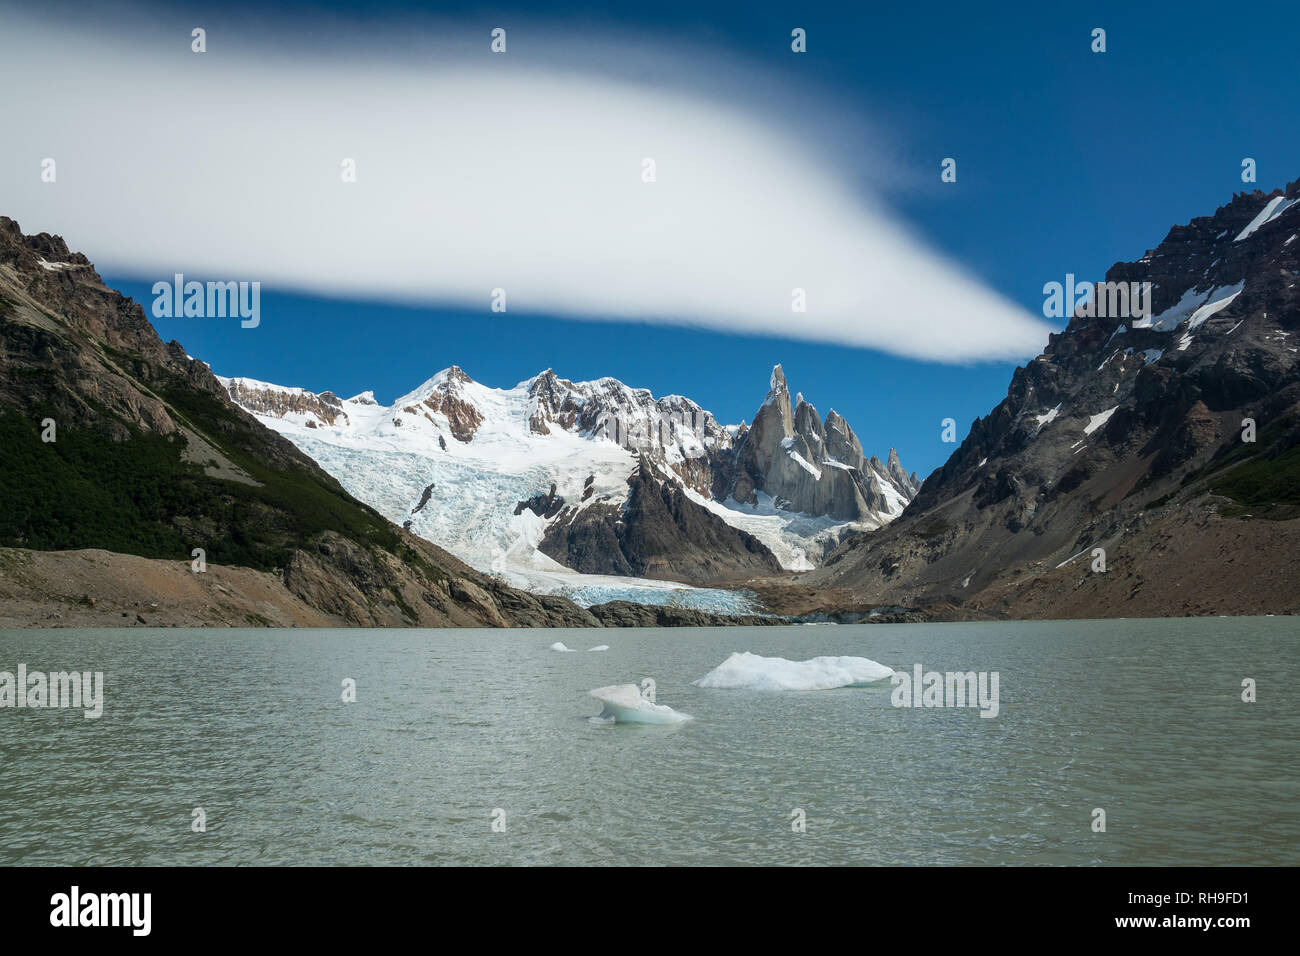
(141, 497)
(1264, 487)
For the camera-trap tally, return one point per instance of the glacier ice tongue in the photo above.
(624, 704)
(746, 671)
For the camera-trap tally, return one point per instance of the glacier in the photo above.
(453, 459)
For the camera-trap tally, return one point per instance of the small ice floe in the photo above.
(599, 647)
(747, 671)
(624, 704)
(559, 646)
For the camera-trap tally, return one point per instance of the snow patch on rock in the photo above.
(1272, 209)
(1098, 420)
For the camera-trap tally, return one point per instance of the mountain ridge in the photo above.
(532, 479)
(1126, 435)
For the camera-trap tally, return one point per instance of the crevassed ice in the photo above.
(477, 484)
(473, 517)
(790, 535)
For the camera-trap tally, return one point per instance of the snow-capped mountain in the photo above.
(553, 476)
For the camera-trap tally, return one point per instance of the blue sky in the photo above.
(1067, 161)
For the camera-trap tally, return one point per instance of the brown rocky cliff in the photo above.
(325, 407)
(1147, 431)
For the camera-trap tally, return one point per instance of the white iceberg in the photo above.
(747, 671)
(625, 705)
(599, 647)
(559, 646)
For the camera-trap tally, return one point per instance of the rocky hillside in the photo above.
(117, 442)
(1165, 444)
(657, 532)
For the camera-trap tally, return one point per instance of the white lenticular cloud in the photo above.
(474, 172)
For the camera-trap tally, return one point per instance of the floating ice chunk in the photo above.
(625, 705)
(559, 646)
(599, 647)
(743, 670)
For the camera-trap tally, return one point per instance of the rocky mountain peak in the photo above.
(445, 394)
(261, 398)
(454, 373)
(548, 396)
(1223, 294)
(842, 443)
(808, 427)
(29, 252)
(1125, 421)
(811, 467)
(899, 474)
